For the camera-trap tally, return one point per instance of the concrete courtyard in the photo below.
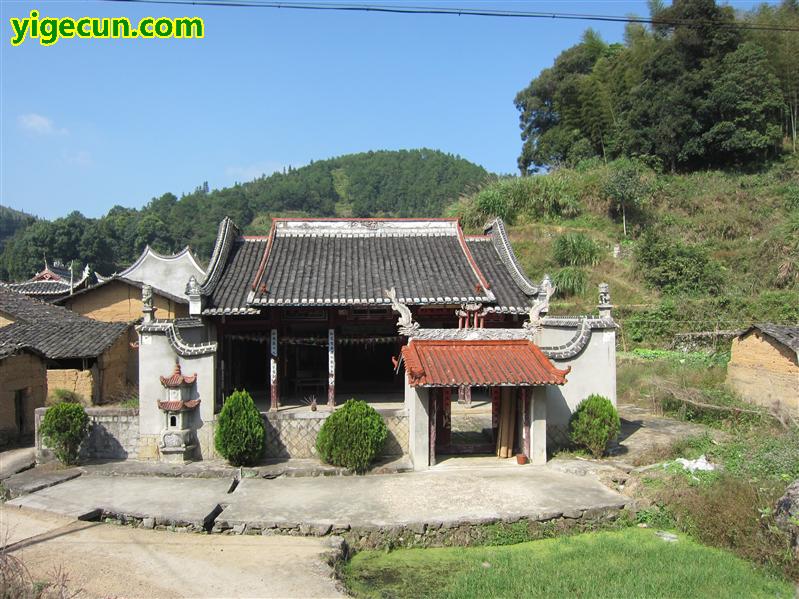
(442, 496)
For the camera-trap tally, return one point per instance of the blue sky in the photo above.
(88, 124)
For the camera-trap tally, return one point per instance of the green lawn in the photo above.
(628, 563)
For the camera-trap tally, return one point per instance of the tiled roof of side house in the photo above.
(116, 277)
(787, 335)
(53, 331)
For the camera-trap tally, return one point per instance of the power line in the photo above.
(466, 12)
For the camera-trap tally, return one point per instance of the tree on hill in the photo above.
(385, 183)
(692, 91)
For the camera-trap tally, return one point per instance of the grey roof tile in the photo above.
(53, 331)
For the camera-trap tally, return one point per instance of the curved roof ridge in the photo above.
(225, 236)
(496, 229)
(149, 251)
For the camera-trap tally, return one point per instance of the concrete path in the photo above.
(178, 501)
(447, 496)
(16, 460)
(101, 560)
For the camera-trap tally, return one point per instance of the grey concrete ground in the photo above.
(102, 560)
(171, 500)
(16, 460)
(451, 496)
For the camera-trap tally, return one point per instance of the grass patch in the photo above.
(629, 563)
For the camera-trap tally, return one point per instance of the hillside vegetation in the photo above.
(12, 221)
(703, 86)
(705, 250)
(384, 183)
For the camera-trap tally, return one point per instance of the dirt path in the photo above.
(118, 561)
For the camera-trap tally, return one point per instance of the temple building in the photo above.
(54, 282)
(410, 315)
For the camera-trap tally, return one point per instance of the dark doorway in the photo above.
(19, 410)
(249, 367)
(367, 369)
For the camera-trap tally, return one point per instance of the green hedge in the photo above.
(594, 424)
(352, 436)
(240, 433)
(64, 427)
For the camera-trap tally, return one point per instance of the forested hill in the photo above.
(12, 221)
(383, 183)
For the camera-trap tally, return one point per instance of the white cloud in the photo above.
(39, 124)
(249, 172)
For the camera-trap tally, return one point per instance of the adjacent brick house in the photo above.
(763, 366)
(23, 388)
(81, 355)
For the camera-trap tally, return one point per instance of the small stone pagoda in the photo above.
(178, 439)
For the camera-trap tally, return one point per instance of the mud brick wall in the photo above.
(22, 372)
(293, 434)
(81, 382)
(113, 435)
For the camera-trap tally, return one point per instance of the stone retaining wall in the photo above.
(113, 435)
(293, 434)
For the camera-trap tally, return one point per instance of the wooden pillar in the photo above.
(433, 424)
(331, 368)
(525, 400)
(274, 381)
(494, 391)
(445, 416)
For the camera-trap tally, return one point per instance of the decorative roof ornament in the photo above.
(604, 300)
(405, 325)
(177, 378)
(192, 287)
(540, 308)
(147, 301)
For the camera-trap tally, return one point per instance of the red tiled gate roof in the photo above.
(449, 363)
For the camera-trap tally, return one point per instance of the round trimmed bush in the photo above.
(239, 435)
(352, 436)
(594, 424)
(64, 427)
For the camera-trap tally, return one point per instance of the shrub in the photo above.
(239, 435)
(352, 436)
(675, 267)
(594, 424)
(576, 249)
(570, 281)
(64, 427)
(64, 396)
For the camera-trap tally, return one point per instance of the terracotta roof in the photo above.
(176, 406)
(177, 379)
(448, 363)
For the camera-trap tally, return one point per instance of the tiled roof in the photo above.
(53, 331)
(177, 378)
(335, 262)
(178, 405)
(448, 363)
(787, 335)
(121, 279)
(41, 288)
(236, 276)
(509, 296)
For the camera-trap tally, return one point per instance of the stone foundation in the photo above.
(293, 434)
(113, 435)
